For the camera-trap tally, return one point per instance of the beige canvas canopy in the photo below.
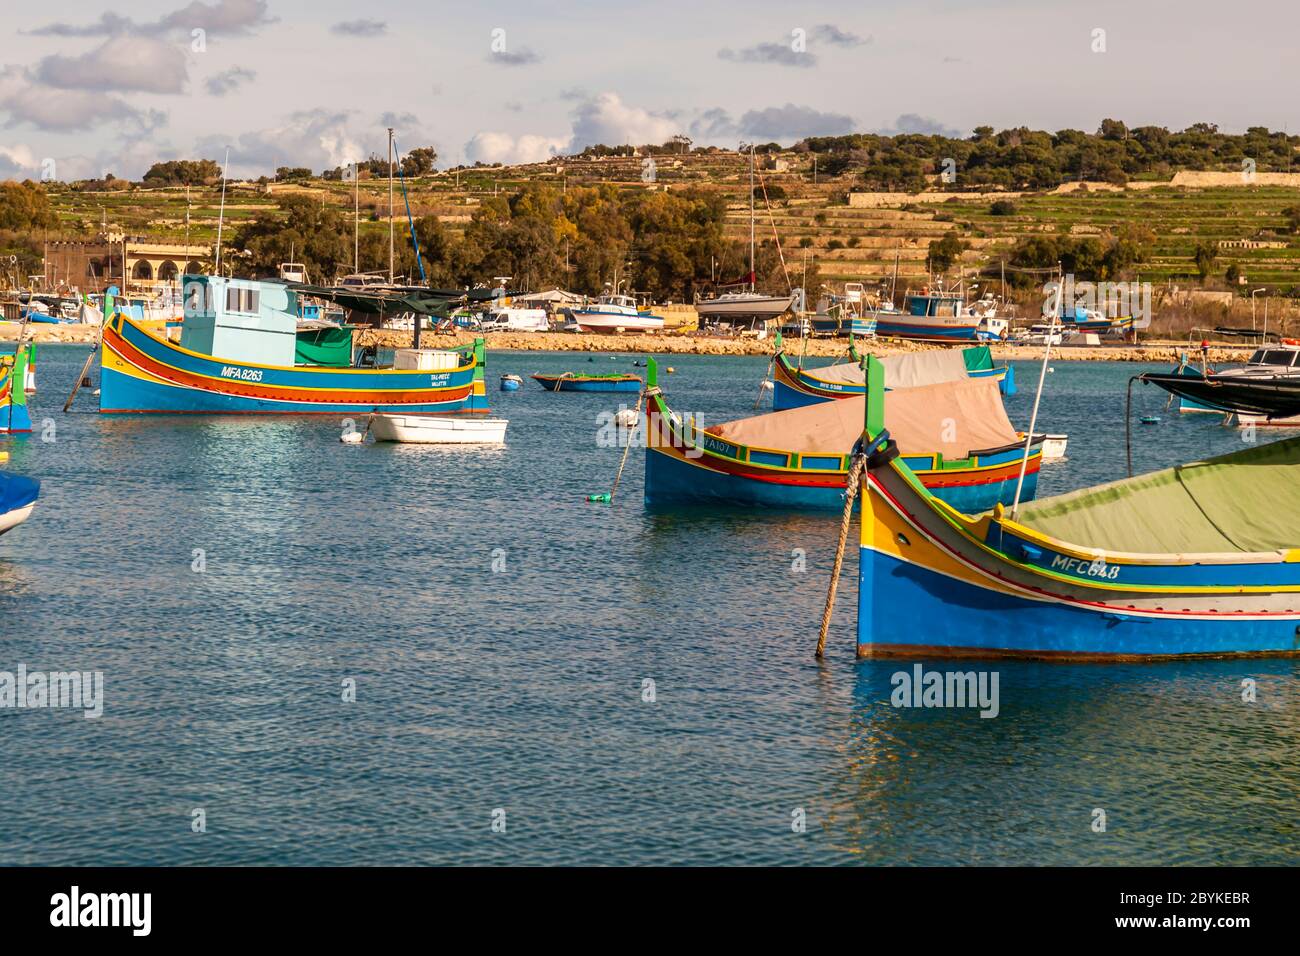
(951, 418)
(909, 370)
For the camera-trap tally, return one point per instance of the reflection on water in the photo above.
(1182, 766)
(501, 631)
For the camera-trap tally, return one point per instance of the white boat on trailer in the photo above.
(438, 429)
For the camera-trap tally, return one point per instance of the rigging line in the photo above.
(397, 152)
(789, 286)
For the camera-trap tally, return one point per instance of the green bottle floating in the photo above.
(601, 498)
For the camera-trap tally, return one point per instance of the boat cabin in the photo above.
(244, 320)
(935, 305)
(1276, 356)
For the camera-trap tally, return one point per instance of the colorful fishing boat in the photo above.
(14, 416)
(796, 386)
(1198, 560)
(930, 316)
(240, 353)
(955, 435)
(573, 382)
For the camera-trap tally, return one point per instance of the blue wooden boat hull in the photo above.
(985, 623)
(906, 327)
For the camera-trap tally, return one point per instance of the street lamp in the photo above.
(1252, 307)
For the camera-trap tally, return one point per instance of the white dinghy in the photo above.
(438, 429)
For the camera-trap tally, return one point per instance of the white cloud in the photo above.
(120, 64)
(924, 125)
(319, 139)
(784, 123)
(19, 162)
(228, 17)
(507, 148)
(791, 122)
(47, 108)
(605, 118)
(227, 81)
(360, 28)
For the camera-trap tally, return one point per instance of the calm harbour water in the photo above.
(521, 689)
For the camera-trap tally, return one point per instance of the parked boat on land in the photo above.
(238, 353)
(955, 435)
(438, 430)
(573, 382)
(929, 316)
(743, 307)
(1196, 560)
(612, 313)
(796, 386)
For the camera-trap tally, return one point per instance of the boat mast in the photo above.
(1038, 397)
(390, 205)
(221, 218)
(751, 218)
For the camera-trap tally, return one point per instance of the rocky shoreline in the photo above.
(689, 344)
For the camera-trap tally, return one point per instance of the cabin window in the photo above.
(241, 300)
(1273, 357)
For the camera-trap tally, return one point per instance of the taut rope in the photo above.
(850, 493)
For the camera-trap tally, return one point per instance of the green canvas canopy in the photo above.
(978, 358)
(330, 347)
(1247, 501)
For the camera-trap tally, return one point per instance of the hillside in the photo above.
(851, 238)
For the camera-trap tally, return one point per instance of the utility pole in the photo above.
(356, 219)
(391, 258)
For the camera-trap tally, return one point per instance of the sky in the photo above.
(89, 87)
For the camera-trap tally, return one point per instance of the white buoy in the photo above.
(767, 385)
(352, 438)
(626, 417)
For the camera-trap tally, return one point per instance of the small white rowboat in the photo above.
(438, 429)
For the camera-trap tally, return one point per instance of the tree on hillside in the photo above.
(24, 206)
(945, 252)
(419, 161)
(306, 231)
(1206, 254)
(183, 172)
(1292, 215)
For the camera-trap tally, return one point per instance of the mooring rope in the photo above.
(850, 493)
(1128, 424)
(627, 447)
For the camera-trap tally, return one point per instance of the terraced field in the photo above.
(812, 219)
